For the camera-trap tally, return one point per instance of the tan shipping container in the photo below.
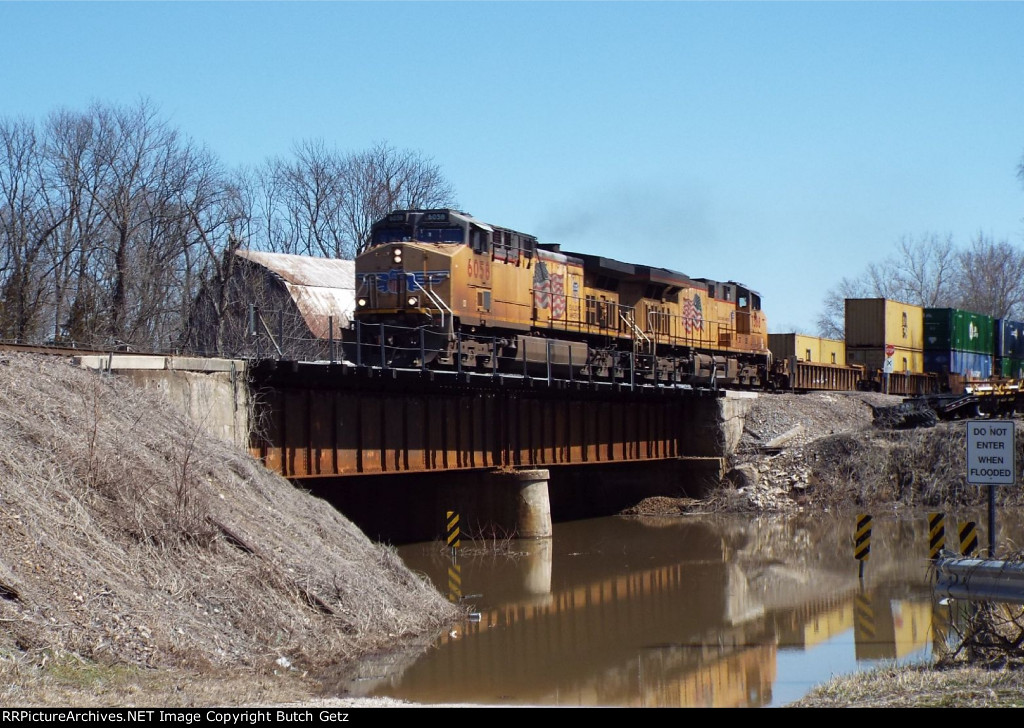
(807, 348)
(873, 359)
(876, 322)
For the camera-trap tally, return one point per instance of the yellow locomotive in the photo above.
(440, 289)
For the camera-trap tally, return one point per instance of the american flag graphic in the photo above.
(541, 286)
(693, 315)
(558, 295)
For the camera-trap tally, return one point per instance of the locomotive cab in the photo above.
(428, 278)
(751, 332)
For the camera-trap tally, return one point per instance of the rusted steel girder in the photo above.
(319, 420)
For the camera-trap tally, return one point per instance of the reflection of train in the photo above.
(440, 289)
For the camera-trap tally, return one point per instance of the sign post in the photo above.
(991, 461)
(888, 367)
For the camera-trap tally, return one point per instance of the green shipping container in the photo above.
(948, 329)
(1011, 368)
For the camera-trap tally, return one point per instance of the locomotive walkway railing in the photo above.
(381, 354)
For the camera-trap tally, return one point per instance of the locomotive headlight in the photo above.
(397, 252)
(361, 303)
(413, 301)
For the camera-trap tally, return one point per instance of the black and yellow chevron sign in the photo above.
(864, 616)
(936, 534)
(968, 537)
(862, 538)
(454, 582)
(453, 530)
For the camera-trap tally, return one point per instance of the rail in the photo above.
(640, 338)
(442, 307)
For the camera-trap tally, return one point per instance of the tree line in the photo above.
(112, 221)
(930, 270)
(986, 276)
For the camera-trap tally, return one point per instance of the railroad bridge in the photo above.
(397, 450)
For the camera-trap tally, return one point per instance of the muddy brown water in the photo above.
(698, 611)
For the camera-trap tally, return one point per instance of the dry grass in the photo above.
(921, 687)
(979, 667)
(923, 468)
(131, 541)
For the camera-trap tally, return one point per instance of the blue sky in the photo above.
(784, 145)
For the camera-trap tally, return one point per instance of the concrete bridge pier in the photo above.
(526, 492)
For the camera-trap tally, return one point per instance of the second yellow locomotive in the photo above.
(440, 289)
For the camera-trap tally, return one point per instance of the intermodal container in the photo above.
(970, 364)
(1010, 368)
(1009, 339)
(877, 322)
(953, 329)
(873, 358)
(814, 349)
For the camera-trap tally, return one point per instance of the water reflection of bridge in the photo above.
(693, 631)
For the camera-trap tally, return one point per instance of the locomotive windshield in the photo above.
(440, 235)
(432, 226)
(389, 235)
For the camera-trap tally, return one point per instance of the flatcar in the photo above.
(440, 289)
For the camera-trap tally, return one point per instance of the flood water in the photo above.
(698, 611)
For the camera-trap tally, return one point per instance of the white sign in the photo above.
(990, 452)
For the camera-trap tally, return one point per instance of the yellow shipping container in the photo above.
(873, 358)
(807, 348)
(877, 322)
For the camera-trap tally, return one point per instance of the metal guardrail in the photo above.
(980, 579)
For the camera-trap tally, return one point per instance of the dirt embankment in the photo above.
(828, 450)
(130, 541)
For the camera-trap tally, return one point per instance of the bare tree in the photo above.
(921, 272)
(991, 278)
(221, 226)
(382, 179)
(27, 223)
(309, 191)
(112, 222)
(321, 202)
(832, 319)
(72, 166)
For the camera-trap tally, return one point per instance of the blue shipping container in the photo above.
(1009, 339)
(967, 363)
